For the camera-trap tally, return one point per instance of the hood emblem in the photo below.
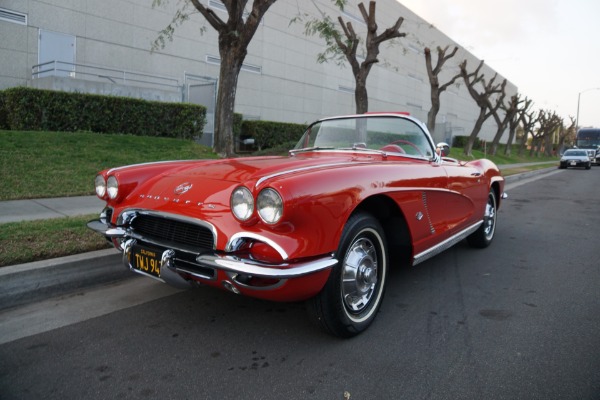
(183, 188)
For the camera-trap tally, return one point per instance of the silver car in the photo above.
(575, 158)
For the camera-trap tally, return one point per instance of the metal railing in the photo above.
(101, 74)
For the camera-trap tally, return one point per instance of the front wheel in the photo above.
(348, 303)
(484, 235)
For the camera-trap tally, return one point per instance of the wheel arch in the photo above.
(496, 188)
(395, 228)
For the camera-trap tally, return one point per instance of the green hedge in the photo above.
(268, 134)
(34, 109)
(461, 141)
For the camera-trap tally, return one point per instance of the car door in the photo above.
(469, 187)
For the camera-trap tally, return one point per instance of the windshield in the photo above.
(588, 138)
(575, 153)
(382, 133)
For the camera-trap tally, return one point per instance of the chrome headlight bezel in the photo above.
(112, 187)
(269, 204)
(242, 203)
(100, 185)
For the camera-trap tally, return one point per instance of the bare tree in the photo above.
(346, 43)
(567, 135)
(486, 109)
(436, 88)
(530, 120)
(235, 35)
(514, 123)
(542, 138)
(553, 128)
(510, 111)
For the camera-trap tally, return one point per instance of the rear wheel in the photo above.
(348, 303)
(484, 235)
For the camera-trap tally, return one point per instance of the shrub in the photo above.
(269, 134)
(34, 109)
(461, 141)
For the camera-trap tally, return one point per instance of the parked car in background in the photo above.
(357, 196)
(575, 158)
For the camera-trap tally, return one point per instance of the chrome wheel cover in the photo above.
(489, 218)
(359, 275)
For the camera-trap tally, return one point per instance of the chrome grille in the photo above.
(169, 230)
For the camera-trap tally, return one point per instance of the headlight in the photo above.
(112, 187)
(242, 203)
(270, 206)
(100, 185)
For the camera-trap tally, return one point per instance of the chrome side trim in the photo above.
(291, 171)
(116, 169)
(238, 238)
(274, 271)
(446, 244)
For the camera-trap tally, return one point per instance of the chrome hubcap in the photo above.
(359, 276)
(489, 219)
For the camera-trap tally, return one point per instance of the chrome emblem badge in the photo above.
(183, 188)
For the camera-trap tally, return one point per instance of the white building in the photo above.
(104, 47)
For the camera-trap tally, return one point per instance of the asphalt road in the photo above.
(519, 320)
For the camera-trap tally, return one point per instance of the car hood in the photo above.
(240, 170)
(212, 181)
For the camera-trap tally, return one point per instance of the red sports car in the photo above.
(356, 196)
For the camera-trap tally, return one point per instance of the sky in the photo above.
(549, 49)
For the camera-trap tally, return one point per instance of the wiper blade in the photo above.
(354, 148)
(294, 151)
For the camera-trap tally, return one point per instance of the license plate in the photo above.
(573, 162)
(146, 260)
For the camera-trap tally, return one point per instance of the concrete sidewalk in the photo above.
(28, 210)
(26, 283)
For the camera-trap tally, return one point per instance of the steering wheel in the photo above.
(402, 141)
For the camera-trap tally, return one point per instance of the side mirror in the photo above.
(442, 149)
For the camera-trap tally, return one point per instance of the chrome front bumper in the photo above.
(173, 274)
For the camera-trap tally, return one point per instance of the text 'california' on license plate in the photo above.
(146, 260)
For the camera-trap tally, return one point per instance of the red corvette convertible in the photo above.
(357, 195)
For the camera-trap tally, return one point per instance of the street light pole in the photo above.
(578, 101)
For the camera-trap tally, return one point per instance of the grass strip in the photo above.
(22, 242)
(43, 164)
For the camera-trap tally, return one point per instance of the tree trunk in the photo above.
(433, 112)
(474, 133)
(360, 93)
(511, 137)
(231, 62)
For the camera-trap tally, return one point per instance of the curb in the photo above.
(529, 174)
(26, 283)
